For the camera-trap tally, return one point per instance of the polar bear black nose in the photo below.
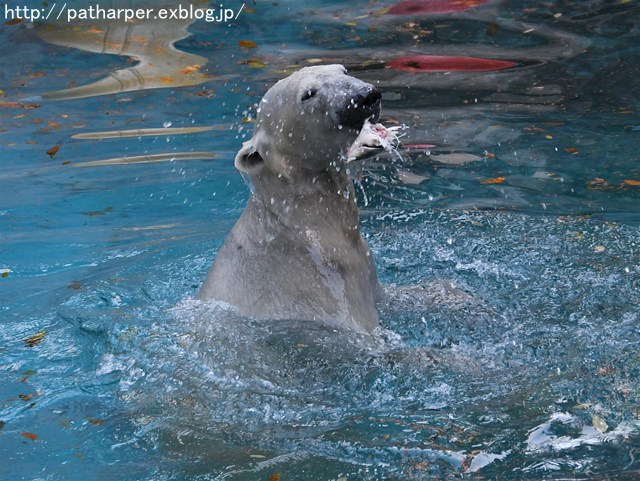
(371, 99)
(360, 108)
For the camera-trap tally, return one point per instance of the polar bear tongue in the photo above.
(373, 138)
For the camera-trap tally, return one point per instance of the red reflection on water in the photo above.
(413, 7)
(444, 63)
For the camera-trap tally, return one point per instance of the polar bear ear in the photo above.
(248, 159)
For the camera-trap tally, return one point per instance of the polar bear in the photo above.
(296, 252)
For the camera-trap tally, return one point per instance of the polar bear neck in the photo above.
(323, 201)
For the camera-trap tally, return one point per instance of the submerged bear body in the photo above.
(296, 252)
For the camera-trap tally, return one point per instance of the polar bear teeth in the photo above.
(371, 139)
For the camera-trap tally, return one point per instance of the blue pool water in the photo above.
(519, 186)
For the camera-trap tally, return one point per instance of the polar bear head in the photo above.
(307, 121)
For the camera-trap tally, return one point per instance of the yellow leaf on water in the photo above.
(95, 421)
(255, 63)
(247, 44)
(31, 436)
(36, 339)
(275, 477)
(632, 182)
(497, 180)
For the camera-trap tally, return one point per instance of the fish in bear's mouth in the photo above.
(373, 138)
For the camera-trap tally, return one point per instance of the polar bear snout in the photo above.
(362, 106)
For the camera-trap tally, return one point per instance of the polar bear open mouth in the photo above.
(372, 139)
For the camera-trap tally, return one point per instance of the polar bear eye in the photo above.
(309, 94)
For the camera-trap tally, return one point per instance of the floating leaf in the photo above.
(53, 150)
(75, 285)
(275, 477)
(36, 339)
(17, 105)
(247, 44)
(571, 150)
(599, 249)
(497, 180)
(209, 93)
(95, 421)
(446, 63)
(597, 182)
(26, 397)
(632, 182)
(4, 272)
(492, 29)
(27, 435)
(601, 184)
(599, 423)
(14, 21)
(255, 63)
(95, 213)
